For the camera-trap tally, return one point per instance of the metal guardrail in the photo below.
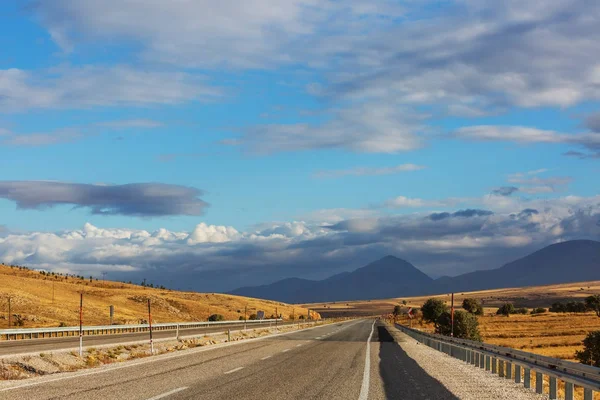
(40, 333)
(501, 360)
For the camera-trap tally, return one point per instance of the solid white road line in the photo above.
(264, 358)
(364, 389)
(285, 351)
(234, 370)
(162, 396)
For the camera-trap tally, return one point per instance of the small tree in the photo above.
(538, 310)
(593, 303)
(506, 309)
(466, 325)
(397, 310)
(433, 309)
(590, 354)
(404, 302)
(472, 306)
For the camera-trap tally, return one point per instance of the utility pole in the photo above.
(104, 276)
(81, 324)
(9, 314)
(245, 311)
(452, 316)
(276, 318)
(150, 325)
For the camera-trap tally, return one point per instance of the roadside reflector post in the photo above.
(245, 316)
(111, 311)
(81, 325)
(177, 333)
(150, 326)
(229, 335)
(276, 319)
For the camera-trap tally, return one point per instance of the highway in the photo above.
(326, 362)
(11, 347)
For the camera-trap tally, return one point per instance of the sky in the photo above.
(207, 146)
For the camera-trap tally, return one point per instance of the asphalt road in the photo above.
(9, 347)
(327, 362)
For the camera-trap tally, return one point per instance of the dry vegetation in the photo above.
(31, 296)
(550, 334)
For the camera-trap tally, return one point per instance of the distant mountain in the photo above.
(572, 261)
(387, 277)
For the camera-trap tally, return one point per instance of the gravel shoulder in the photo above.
(463, 380)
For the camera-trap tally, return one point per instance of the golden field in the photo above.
(45, 301)
(550, 334)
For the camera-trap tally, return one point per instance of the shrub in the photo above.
(301, 316)
(571, 306)
(590, 354)
(466, 325)
(216, 317)
(506, 309)
(397, 311)
(62, 324)
(241, 318)
(433, 309)
(538, 310)
(472, 306)
(593, 303)
(252, 317)
(522, 310)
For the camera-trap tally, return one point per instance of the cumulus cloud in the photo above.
(134, 199)
(90, 86)
(213, 258)
(368, 171)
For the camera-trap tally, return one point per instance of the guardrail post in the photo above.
(488, 363)
(494, 365)
(527, 378)
(517, 373)
(553, 391)
(482, 360)
(508, 370)
(501, 368)
(477, 360)
(568, 391)
(588, 394)
(539, 382)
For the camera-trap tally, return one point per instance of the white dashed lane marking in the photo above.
(234, 370)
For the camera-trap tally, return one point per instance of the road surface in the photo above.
(327, 362)
(9, 347)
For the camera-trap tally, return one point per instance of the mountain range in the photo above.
(571, 261)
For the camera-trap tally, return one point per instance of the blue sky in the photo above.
(251, 133)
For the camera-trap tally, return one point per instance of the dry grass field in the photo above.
(551, 334)
(32, 297)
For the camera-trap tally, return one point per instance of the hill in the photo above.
(31, 294)
(572, 261)
(386, 277)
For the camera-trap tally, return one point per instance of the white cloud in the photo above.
(91, 86)
(408, 202)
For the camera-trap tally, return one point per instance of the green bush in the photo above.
(506, 309)
(590, 354)
(539, 310)
(252, 317)
(522, 310)
(216, 317)
(593, 303)
(466, 325)
(472, 306)
(397, 311)
(433, 309)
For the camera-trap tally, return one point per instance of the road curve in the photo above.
(326, 362)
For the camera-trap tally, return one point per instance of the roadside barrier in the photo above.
(515, 364)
